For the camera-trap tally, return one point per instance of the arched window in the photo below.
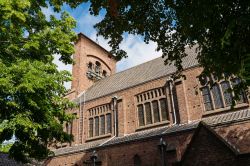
(90, 66)
(91, 126)
(109, 123)
(207, 98)
(156, 113)
(148, 113)
(141, 115)
(137, 160)
(217, 96)
(96, 126)
(104, 73)
(164, 109)
(225, 86)
(97, 67)
(241, 95)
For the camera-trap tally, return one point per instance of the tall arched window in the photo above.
(156, 113)
(148, 113)
(207, 98)
(225, 86)
(141, 115)
(91, 126)
(97, 67)
(90, 66)
(104, 73)
(218, 103)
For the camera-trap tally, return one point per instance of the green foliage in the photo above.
(221, 29)
(5, 147)
(32, 106)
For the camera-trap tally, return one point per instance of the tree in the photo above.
(220, 29)
(32, 107)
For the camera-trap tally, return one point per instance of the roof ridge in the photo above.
(101, 80)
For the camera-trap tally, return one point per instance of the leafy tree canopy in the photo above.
(221, 29)
(31, 88)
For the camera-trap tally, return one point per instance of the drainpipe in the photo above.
(171, 85)
(80, 130)
(114, 99)
(162, 145)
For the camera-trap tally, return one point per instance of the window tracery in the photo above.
(100, 121)
(152, 107)
(217, 93)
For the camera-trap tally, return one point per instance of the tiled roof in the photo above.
(140, 135)
(151, 133)
(228, 117)
(238, 138)
(128, 138)
(78, 148)
(145, 72)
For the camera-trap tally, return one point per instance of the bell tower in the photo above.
(91, 63)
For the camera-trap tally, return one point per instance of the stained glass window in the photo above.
(148, 113)
(225, 86)
(156, 111)
(164, 110)
(91, 127)
(102, 123)
(207, 98)
(108, 119)
(217, 96)
(96, 126)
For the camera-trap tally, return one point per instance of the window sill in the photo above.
(153, 125)
(226, 109)
(98, 137)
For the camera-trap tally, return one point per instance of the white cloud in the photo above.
(138, 52)
(49, 11)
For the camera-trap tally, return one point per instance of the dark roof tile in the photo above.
(228, 117)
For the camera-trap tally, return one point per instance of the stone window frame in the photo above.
(150, 96)
(98, 112)
(212, 81)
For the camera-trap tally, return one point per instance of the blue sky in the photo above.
(138, 52)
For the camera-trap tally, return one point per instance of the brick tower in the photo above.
(91, 63)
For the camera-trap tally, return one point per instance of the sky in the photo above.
(138, 52)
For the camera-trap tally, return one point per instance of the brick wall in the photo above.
(123, 154)
(206, 149)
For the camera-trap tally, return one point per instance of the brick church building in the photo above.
(142, 117)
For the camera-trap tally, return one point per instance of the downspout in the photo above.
(172, 100)
(81, 114)
(114, 99)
